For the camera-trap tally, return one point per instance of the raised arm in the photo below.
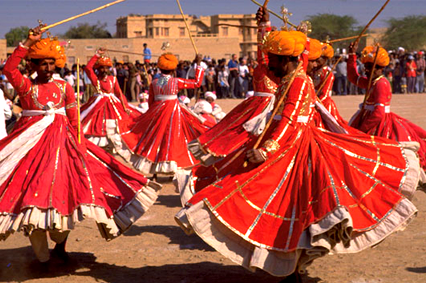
(89, 69)
(20, 83)
(353, 75)
(192, 83)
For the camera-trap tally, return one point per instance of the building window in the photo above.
(225, 31)
(89, 47)
(126, 58)
(150, 32)
(71, 60)
(138, 33)
(181, 31)
(157, 31)
(166, 32)
(125, 46)
(71, 47)
(240, 31)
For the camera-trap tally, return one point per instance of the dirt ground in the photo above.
(155, 249)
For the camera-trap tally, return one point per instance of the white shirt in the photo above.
(5, 114)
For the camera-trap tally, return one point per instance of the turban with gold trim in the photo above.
(167, 61)
(315, 49)
(369, 53)
(327, 50)
(48, 48)
(103, 61)
(287, 43)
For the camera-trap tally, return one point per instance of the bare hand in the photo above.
(101, 51)
(353, 47)
(262, 15)
(254, 156)
(34, 35)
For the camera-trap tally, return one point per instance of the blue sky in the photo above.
(27, 12)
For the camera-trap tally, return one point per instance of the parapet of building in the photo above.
(172, 27)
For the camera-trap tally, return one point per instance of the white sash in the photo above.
(257, 124)
(15, 150)
(163, 97)
(371, 107)
(98, 96)
(329, 120)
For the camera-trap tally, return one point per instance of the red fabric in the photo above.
(326, 100)
(163, 132)
(57, 172)
(411, 69)
(57, 91)
(379, 123)
(229, 134)
(271, 204)
(210, 120)
(107, 108)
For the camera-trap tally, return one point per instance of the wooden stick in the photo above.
(78, 102)
(238, 26)
(347, 38)
(372, 20)
(128, 52)
(187, 28)
(328, 75)
(273, 13)
(274, 112)
(82, 14)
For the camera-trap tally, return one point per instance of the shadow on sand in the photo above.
(21, 265)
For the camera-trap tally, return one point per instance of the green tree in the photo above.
(15, 35)
(408, 32)
(334, 27)
(85, 30)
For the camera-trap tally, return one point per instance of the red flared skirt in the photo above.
(58, 183)
(159, 138)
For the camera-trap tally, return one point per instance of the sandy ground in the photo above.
(156, 250)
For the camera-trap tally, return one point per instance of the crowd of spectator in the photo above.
(233, 78)
(405, 72)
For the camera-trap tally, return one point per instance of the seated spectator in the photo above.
(204, 110)
(143, 102)
(217, 110)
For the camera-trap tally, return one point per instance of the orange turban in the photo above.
(48, 48)
(315, 49)
(369, 53)
(167, 61)
(327, 50)
(103, 61)
(287, 43)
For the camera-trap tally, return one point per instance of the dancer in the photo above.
(374, 116)
(248, 118)
(158, 139)
(331, 121)
(48, 180)
(102, 114)
(306, 192)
